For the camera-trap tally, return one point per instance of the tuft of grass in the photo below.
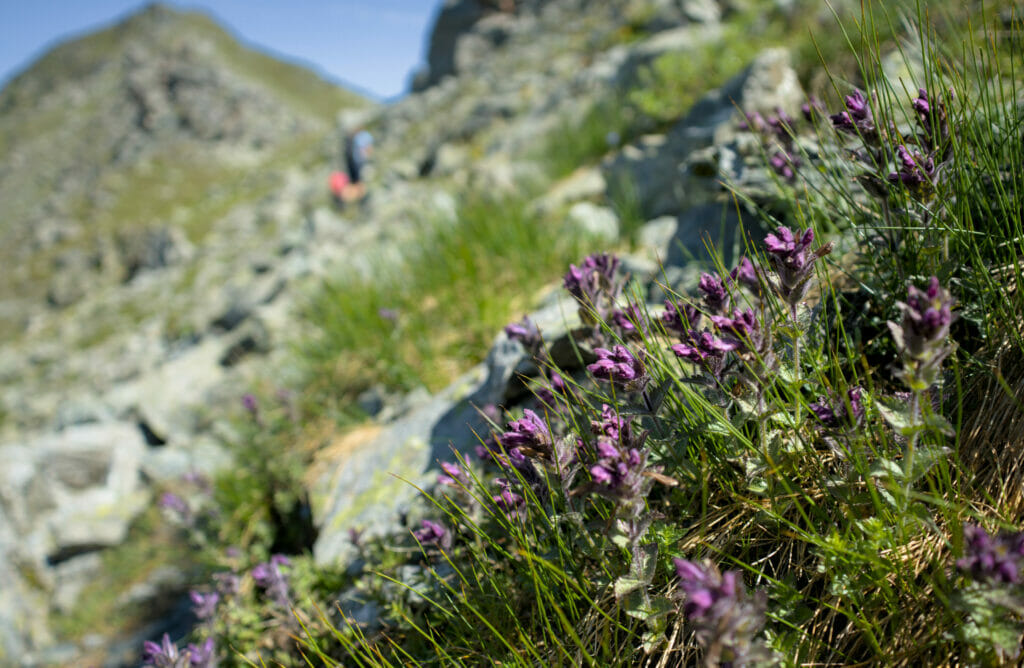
(431, 316)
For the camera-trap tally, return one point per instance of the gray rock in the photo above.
(649, 170)
(583, 184)
(152, 248)
(656, 235)
(81, 410)
(454, 20)
(597, 221)
(71, 577)
(370, 476)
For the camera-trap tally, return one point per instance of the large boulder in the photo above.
(63, 496)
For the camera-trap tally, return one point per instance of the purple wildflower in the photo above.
(174, 503)
(204, 605)
(754, 122)
(784, 164)
(725, 618)
(781, 124)
(433, 533)
(812, 108)
(921, 335)
(745, 274)
(611, 425)
(933, 119)
(269, 576)
(619, 366)
(202, 656)
(927, 315)
(629, 321)
(995, 559)
(678, 321)
(857, 118)
(715, 294)
(915, 169)
(388, 315)
(593, 284)
(453, 474)
(513, 505)
(251, 405)
(702, 347)
(619, 471)
(525, 332)
(834, 414)
(527, 432)
(228, 583)
(164, 655)
(792, 262)
(741, 332)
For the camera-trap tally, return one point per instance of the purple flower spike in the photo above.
(629, 321)
(528, 432)
(812, 108)
(784, 164)
(857, 118)
(174, 503)
(512, 504)
(525, 332)
(619, 473)
(250, 404)
(754, 122)
(994, 559)
(677, 321)
(834, 414)
(204, 605)
(594, 285)
(202, 656)
(269, 576)
(619, 366)
(745, 274)
(927, 315)
(792, 262)
(164, 655)
(921, 334)
(433, 533)
(725, 618)
(915, 169)
(704, 349)
(931, 115)
(453, 475)
(715, 294)
(921, 104)
(610, 425)
(741, 332)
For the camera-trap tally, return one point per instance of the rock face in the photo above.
(115, 367)
(62, 497)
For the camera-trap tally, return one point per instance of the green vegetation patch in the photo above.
(435, 313)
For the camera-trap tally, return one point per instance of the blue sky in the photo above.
(372, 44)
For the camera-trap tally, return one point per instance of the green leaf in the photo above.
(939, 424)
(925, 458)
(896, 413)
(886, 468)
(625, 585)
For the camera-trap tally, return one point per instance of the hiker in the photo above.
(338, 182)
(358, 147)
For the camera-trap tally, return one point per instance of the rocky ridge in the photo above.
(93, 417)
